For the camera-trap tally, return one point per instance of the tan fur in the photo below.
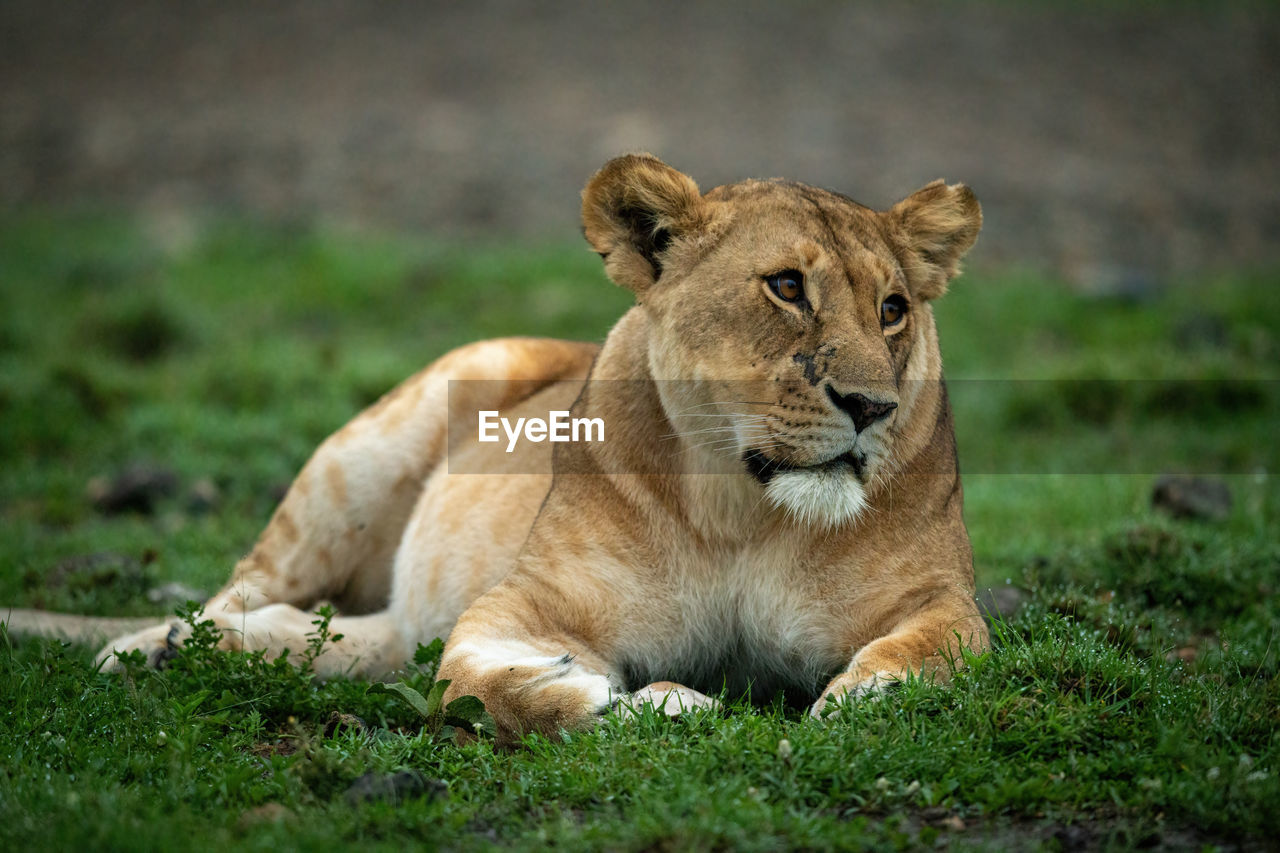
(834, 562)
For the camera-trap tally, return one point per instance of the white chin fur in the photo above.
(821, 498)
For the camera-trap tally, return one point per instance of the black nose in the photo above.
(863, 410)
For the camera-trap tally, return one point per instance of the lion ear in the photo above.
(933, 228)
(632, 210)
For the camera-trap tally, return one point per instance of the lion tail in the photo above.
(88, 630)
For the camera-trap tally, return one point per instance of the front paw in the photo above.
(666, 697)
(849, 686)
(161, 644)
(152, 642)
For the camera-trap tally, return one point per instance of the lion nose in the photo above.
(863, 410)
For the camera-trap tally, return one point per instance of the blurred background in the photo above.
(1113, 144)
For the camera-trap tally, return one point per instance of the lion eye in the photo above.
(892, 310)
(787, 285)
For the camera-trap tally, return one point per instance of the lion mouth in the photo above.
(763, 467)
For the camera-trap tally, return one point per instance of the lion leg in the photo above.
(335, 535)
(359, 646)
(538, 678)
(927, 645)
(546, 685)
(532, 684)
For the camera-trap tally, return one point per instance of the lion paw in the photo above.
(152, 642)
(159, 645)
(667, 697)
(848, 686)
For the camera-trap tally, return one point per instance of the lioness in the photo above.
(802, 534)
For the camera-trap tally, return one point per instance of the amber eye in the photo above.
(892, 310)
(787, 285)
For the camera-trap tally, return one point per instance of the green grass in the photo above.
(1132, 701)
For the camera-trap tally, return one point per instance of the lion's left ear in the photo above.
(633, 209)
(932, 229)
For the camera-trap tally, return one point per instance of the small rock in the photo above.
(392, 787)
(339, 720)
(137, 488)
(203, 497)
(1182, 496)
(1002, 601)
(174, 593)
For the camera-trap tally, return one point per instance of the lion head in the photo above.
(795, 324)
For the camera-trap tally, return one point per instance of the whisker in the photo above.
(748, 431)
(727, 428)
(733, 442)
(728, 403)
